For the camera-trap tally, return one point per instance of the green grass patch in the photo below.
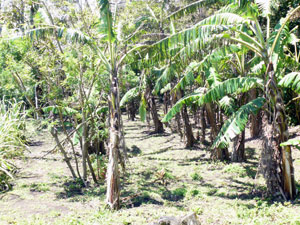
(39, 187)
(235, 169)
(196, 176)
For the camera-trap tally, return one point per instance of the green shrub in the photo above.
(195, 192)
(196, 176)
(179, 192)
(12, 140)
(39, 187)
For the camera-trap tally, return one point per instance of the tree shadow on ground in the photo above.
(202, 158)
(250, 152)
(251, 171)
(134, 151)
(254, 138)
(40, 158)
(153, 134)
(141, 191)
(132, 199)
(160, 151)
(74, 188)
(244, 190)
(35, 143)
(174, 195)
(161, 159)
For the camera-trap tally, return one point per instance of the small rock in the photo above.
(190, 219)
(168, 220)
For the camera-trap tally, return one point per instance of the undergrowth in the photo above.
(12, 139)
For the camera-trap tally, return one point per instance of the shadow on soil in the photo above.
(133, 200)
(134, 151)
(75, 188)
(35, 143)
(250, 152)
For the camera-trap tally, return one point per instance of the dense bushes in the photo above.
(12, 139)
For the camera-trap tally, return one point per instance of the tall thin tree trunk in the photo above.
(190, 140)
(113, 176)
(255, 120)
(203, 124)
(188, 131)
(131, 110)
(196, 116)
(70, 141)
(122, 149)
(238, 152)
(218, 153)
(30, 101)
(158, 125)
(91, 168)
(212, 121)
(61, 148)
(166, 102)
(84, 146)
(278, 164)
(177, 116)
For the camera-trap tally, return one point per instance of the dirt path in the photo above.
(40, 187)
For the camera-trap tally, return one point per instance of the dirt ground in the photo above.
(162, 179)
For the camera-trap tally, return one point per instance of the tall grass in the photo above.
(12, 139)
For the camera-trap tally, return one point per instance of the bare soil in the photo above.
(162, 179)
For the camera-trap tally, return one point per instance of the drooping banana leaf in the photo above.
(129, 95)
(230, 86)
(106, 25)
(237, 123)
(291, 80)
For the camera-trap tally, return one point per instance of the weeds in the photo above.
(12, 139)
(39, 187)
(196, 176)
(235, 169)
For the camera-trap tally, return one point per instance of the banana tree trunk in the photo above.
(158, 125)
(255, 120)
(188, 131)
(190, 140)
(281, 157)
(166, 103)
(113, 176)
(218, 153)
(203, 124)
(131, 110)
(238, 153)
(177, 116)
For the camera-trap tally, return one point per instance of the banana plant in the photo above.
(113, 61)
(240, 24)
(112, 52)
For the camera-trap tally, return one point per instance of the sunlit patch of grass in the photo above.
(297, 162)
(264, 213)
(212, 191)
(174, 195)
(196, 176)
(198, 210)
(235, 169)
(39, 187)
